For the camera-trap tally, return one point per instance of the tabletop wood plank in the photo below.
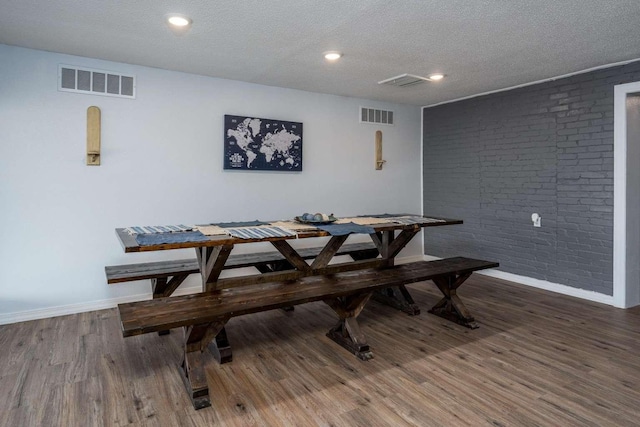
(130, 244)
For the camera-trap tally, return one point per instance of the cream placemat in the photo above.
(211, 230)
(363, 220)
(292, 225)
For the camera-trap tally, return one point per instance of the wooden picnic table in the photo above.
(212, 254)
(345, 287)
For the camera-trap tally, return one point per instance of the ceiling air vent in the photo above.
(404, 80)
(379, 117)
(95, 82)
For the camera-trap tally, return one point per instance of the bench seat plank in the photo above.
(166, 313)
(160, 269)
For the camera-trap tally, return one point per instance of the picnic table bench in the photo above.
(204, 315)
(166, 276)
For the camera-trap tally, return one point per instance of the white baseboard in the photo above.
(63, 310)
(543, 284)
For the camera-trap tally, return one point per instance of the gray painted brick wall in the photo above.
(494, 160)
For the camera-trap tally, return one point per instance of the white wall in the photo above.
(162, 164)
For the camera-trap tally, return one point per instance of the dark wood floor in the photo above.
(537, 359)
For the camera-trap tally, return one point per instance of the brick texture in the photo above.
(494, 160)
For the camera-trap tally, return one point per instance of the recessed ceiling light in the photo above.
(178, 20)
(332, 55)
(436, 77)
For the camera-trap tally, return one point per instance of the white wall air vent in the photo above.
(95, 82)
(375, 116)
(404, 80)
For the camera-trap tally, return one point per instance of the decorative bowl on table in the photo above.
(317, 219)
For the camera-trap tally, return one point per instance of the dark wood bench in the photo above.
(204, 315)
(166, 276)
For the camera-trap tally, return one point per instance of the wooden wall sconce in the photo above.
(93, 136)
(379, 161)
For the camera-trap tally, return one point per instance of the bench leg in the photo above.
(397, 297)
(192, 367)
(450, 307)
(347, 332)
(195, 380)
(163, 287)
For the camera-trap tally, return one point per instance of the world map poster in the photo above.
(262, 144)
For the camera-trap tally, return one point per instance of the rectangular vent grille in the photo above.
(95, 82)
(404, 80)
(379, 117)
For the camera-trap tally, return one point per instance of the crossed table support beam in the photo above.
(389, 247)
(212, 260)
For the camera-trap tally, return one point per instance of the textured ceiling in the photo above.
(481, 45)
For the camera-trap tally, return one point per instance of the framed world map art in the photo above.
(252, 143)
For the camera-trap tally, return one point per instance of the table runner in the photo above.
(344, 229)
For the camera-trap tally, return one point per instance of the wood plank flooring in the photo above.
(538, 359)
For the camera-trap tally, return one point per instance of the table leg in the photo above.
(450, 307)
(211, 261)
(397, 297)
(347, 332)
(220, 347)
(389, 247)
(273, 267)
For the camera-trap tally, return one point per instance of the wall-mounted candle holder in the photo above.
(379, 161)
(93, 136)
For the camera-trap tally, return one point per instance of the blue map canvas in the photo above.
(262, 144)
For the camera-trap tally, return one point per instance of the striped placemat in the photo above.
(292, 225)
(414, 220)
(260, 232)
(153, 229)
